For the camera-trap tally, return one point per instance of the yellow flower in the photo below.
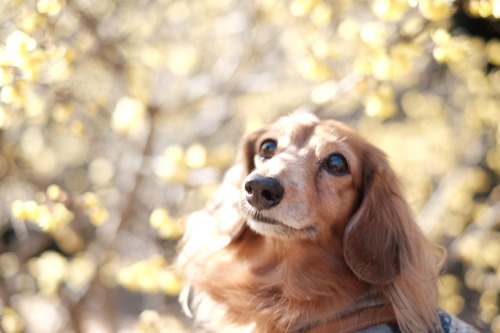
(196, 156)
(169, 282)
(159, 217)
(129, 115)
(435, 10)
(10, 321)
(390, 10)
(493, 51)
(380, 103)
(49, 7)
(302, 7)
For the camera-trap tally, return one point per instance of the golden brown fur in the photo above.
(342, 242)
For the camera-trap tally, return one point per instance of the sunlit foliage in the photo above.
(118, 118)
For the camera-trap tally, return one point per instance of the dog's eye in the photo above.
(267, 149)
(336, 164)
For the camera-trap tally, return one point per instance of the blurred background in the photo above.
(118, 118)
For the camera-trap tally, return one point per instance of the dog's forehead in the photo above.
(295, 125)
(304, 132)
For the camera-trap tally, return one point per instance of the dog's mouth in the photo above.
(259, 218)
(255, 218)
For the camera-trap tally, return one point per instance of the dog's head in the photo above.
(320, 180)
(305, 178)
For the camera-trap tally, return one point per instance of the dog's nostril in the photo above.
(248, 188)
(267, 195)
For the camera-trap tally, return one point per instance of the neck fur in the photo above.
(268, 281)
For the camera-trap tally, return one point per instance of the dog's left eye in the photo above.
(267, 149)
(336, 164)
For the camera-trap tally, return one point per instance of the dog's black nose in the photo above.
(263, 192)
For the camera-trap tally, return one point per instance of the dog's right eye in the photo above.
(267, 149)
(337, 165)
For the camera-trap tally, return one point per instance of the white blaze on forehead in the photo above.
(298, 118)
(285, 141)
(289, 129)
(284, 165)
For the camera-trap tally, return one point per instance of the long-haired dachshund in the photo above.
(310, 232)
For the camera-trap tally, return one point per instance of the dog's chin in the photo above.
(265, 225)
(273, 228)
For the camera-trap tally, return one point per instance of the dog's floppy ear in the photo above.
(376, 239)
(220, 222)
(223, 211)
(247, 151)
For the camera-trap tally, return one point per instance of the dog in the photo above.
(310, 232)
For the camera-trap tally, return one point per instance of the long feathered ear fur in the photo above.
(225, 207)
(385, 247)
(375, 241)
(221, 217)
(214, 227)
